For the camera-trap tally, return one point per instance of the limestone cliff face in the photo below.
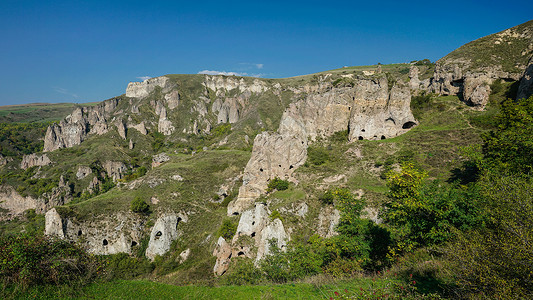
(33, 160)
(368, 109)
(143, 89)
(251, 239)
(15, 204)
(526, 83)
(469, 70)
(75, 128)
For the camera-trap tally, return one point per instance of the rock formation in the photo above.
(252, 238)
(164, 232)
(369, 109)
(526, 83)
(75, 127)
(83, 171)
(33, 160)
(143, 89)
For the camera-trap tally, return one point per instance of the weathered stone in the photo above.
(525, 89)
(184, 255)
(273, 231)
(54, 224)
(158, 159)
(14, 203)
(115, 169)
(83, 171)
(223, 253)
(414, 82)
(143, 89)
(328, 218)
(121, 128)
(476, 90)
(33, 160)
(164, 232)
(75, 127)
(141, 128)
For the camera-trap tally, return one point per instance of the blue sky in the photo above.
(83, 51)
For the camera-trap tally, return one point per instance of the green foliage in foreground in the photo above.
(426, 214)
(36, 260)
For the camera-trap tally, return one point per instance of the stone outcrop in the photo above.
(109, 234)
(525, 89)
(164, 232)
(369, 109)
(15, 204)
(83, 171)
(54, 225)
(160, 158)
(115, 169)
(378, 113)
(143, 89)
(469, 70)
(223, 253)
(121, 128)
(476, 90)
(252, 238)
(75, 127)
(328, 218)
(33, 160)
(141, 128)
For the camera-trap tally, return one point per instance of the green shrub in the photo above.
(138, 205)
(275, 215)
(37, 260)
(277, 184)
(327, 198)
(123, 266)
(227, 230)
(242, 272)
(317, 155)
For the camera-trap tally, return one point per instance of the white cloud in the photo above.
(209, 72)
(143, 78)
(64, 92)
(259, 66)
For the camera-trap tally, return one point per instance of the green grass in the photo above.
(38, 112)
(494, 50)
(142, 289)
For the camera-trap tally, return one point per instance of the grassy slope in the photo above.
(141, 289)
(37, 112)
(509, 51)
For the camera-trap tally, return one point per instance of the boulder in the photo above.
(54, 224)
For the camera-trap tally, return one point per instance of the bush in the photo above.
(123, 266)
(242, 271)
(37, 260)
(327, 197)
(227, 230)
(277, 184)
(138, 205)
(317, 156)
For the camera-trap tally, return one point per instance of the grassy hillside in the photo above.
(509, 50)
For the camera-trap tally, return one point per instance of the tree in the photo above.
(138, 205)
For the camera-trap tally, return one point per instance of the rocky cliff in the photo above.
(471, 69)
(369, 109)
